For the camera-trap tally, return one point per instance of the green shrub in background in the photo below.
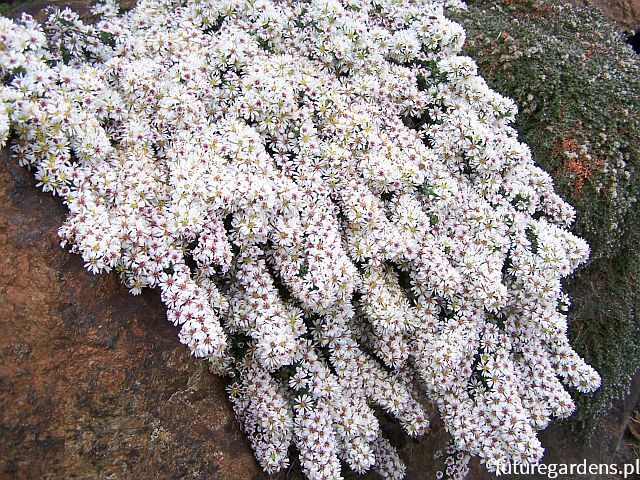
(577, 84)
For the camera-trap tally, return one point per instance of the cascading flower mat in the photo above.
(333, 205)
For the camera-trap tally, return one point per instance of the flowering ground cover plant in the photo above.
(333, 204)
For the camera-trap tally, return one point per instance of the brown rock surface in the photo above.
(625, 12)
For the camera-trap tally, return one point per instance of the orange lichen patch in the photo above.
(579, 165)
(581, 170)
(545, 10)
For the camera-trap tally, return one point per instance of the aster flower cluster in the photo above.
(333, 205)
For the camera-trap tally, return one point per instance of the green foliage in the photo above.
(107, 38)
(15, 8)
(576, 83)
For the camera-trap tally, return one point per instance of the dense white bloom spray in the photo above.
(333, 205)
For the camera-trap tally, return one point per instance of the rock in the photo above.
(93, 381)
(625, 12)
